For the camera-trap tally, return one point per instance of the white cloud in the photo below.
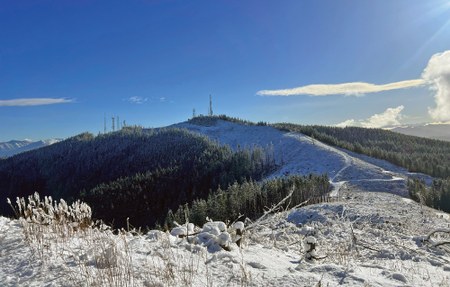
(137, 100)
(437, 73)
(390, 117)
(33, 102)
(347, 123)
(348, 89)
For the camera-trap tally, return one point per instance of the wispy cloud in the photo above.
(33, 102)
(347, 89)
(436, 76)
(390, 117)
(137, 100)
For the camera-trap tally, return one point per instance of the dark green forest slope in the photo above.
(118, 173)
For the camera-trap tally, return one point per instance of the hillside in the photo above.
(135, 173)
(296, 153)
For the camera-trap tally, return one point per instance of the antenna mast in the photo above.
(104, 124)
(113, 124)
(210, 113)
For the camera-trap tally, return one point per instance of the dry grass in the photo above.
(91, 254)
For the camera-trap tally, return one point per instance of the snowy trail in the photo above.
(347, 159)
(347, 162)
(296, 153)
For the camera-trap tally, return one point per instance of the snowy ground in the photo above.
(296, 153)
(363, 239)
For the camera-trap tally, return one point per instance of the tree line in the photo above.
(437, 195)
(202, 120)
(250, 199)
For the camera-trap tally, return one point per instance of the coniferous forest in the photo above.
(136, 173)
(250, 199)
(437, 195)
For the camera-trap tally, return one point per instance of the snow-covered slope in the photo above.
(296, 153)
(7, 148)
(13, 147)
(362, 239)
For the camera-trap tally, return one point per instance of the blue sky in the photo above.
(65, 64)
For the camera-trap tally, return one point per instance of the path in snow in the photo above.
(296, 153)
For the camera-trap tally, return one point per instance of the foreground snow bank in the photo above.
(366, 239)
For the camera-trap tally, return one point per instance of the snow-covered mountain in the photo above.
(433, 131)
(13, 147)
(367, 235)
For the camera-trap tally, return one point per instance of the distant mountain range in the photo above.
(433, 131)
(13, 147)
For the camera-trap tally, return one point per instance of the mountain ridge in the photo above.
(13, 147)
(433, 131)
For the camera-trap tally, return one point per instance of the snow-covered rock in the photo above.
(238, 225)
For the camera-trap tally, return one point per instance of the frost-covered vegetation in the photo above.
(47, 211)
(136, 173)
